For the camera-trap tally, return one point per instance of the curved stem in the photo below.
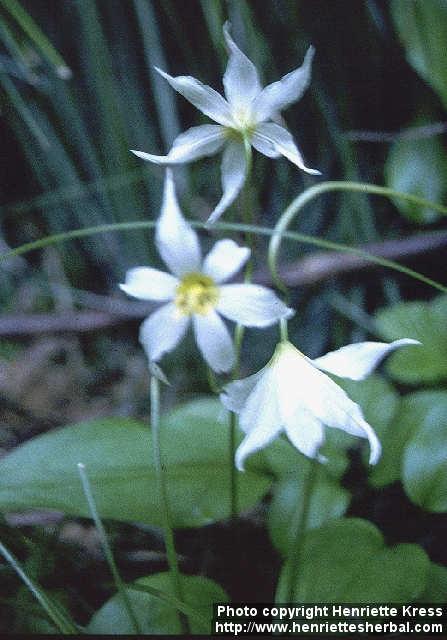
(309, 194)
(231, 226)
(162, 490)
(298, 531)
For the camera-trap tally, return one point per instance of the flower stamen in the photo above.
(196, 293)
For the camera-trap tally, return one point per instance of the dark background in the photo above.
(69, 347)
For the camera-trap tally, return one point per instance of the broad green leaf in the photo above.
(154, 615)
(426, 322)
(436, 589)
(347, 561)
(425, 457)
(394, 441)
(418, 167)
(329, 500)
(118, 457)
(422, 29)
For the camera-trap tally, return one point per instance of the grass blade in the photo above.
(64, 624)
(36, 35)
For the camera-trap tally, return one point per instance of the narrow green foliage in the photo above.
(37, 37)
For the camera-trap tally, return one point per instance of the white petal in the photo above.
(162, 331)
(375, 448)
(251, 305)
(356, 361)
(261, 144)
(260, 419)
(254, 441)
(194, 143)
(305, 432)
(206, 99)
(224, 260)
(240, 80)
(235, 394)
(176, 240)
(233, 169)
(282, 142)
(279, 95)
(146, 283)
(300, 384)
(214, 341)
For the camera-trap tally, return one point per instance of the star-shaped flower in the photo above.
(292, 394)
(195, 291)
(247, 113)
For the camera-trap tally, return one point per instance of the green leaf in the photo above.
(436, 589)
(118, 457)
(422, 29)
(347, 561)
(394, 441)
(418, 167)
(154, 615)
(424, 461)
(329, 500)
(424, 321)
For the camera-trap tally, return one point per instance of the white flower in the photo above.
(195, 291)
(291, 394)
(245, 114)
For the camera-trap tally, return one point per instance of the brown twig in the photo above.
(412, 133)
(319, 266)
(310, 270)
(66, 322)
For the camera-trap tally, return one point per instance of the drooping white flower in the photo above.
(195, 291)
(292, 395)
(247, 113)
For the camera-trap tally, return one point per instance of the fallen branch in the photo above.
(310, 270)
(411, 133)
(319, 266)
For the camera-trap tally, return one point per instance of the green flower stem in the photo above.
(247, 216)
(232, 417)
(61, 622)
(162, 490)
(212, 381)
(119, 584)
(58, 238)
(298, 531)
(309, 194)
(247, 205)
(283, 331)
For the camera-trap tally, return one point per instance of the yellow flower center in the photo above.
(196, 293)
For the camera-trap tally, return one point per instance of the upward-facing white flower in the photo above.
(292, 394)
(195, 292)
(247, 113)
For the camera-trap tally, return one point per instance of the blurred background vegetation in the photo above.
(78, 90)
